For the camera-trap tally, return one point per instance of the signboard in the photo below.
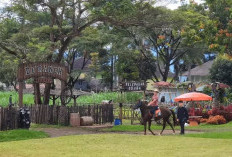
(133, 86)
(43, 80)
(42, 69)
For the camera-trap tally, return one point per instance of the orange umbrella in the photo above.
(193, 96)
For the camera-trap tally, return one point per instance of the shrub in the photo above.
(216, 120)
(205, 115)
(228, 108)
(227, 116)
(203, 120)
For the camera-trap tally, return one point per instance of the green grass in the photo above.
(127, 97)
(114, 145)
(16, 135)
(210, 127)
(132, 128)
(215, 135)
(126, 127)
(4, 98)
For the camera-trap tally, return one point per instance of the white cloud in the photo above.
(4, 3)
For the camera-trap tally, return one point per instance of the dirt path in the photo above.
(65, 131)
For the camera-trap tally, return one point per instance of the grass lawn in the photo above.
(16, 135)
(202, 127)
(110, 145)
(135, 128)
(210, 127)
(215, 135)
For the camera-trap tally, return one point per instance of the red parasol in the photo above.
(163, 84)
(193, 96)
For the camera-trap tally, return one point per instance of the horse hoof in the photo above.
(159, 134)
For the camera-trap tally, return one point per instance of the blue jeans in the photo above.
(154, 108)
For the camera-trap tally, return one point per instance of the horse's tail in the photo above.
(174, 117)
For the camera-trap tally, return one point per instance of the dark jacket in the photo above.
(182, 113)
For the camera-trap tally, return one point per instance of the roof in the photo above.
(201, 70)
(81, 64)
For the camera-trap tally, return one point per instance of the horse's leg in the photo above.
(164, 125)
(168, 121)
(145, 127)
(149, 127)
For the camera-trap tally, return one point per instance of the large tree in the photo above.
(45, 28)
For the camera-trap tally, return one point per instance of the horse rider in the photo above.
(154, 102)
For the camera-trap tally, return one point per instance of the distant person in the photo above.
(10, 100)
(182, 116)
(162, 100)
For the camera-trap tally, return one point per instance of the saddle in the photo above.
(157, 113)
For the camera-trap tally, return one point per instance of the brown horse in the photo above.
(147, 116)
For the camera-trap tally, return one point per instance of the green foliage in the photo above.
(221, 71)
(94, 66)
(220, 36)
(127, 97)
(207, 90)
(17, 135)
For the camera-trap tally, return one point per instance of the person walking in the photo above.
(182, 116)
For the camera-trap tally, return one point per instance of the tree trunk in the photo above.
(47, 93)
(177, 71)
(165, 74)
(189, 73)
(112, 74)
(37, 94)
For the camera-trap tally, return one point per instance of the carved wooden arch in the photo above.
(41, 72)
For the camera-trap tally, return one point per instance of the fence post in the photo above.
(120, 112)
(132, 116)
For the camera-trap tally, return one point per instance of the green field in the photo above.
(201, 127)
(20, 134)
(114, 145)
(129, 97)
(4, 98)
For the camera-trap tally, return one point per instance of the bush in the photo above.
(227, 116)
(205, 115)
(203, 120)
(216, 120)
(221, 71)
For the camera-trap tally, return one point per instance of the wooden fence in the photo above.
(44, 114)
(128, 113)
(8, 118)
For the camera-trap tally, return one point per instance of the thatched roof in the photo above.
(201, 70)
